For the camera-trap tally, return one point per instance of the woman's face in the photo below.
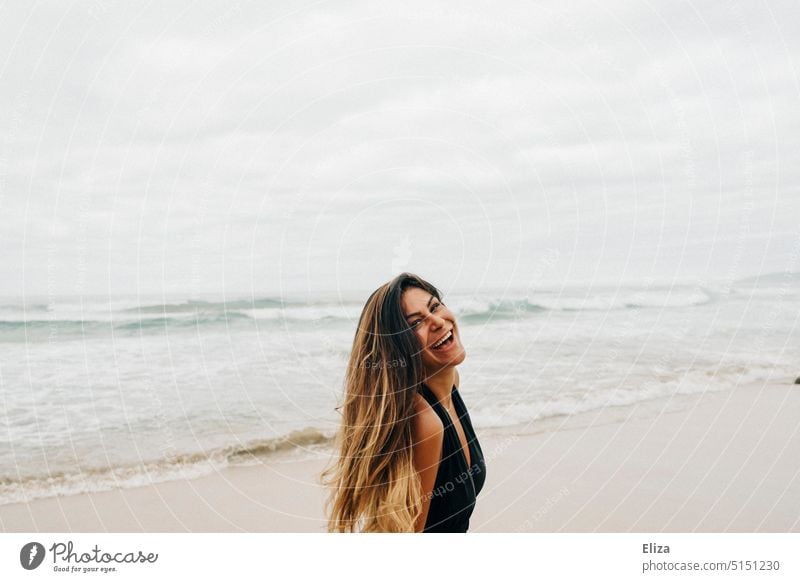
(432, 322)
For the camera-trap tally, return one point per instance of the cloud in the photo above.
(217, 134)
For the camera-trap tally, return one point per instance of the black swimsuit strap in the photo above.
(457, 484)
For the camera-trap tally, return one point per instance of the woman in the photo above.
(408, 456)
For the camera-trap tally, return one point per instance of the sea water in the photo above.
(100, 393)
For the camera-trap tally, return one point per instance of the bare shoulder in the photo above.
(428, 427)
(427, 453)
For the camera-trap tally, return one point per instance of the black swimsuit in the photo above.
(456, 487)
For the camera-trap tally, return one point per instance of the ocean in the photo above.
(106, 393)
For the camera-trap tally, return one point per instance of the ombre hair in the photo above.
(375, 486)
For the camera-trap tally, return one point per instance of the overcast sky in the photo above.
(303, 146)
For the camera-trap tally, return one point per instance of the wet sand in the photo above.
(719, 462)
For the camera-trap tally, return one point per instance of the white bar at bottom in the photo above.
(451, 557)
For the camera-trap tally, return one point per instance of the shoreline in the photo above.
(722, 461)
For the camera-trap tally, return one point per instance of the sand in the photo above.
(718, 462)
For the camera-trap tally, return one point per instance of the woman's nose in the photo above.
(437, 320)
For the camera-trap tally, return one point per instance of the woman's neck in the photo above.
(441, 384)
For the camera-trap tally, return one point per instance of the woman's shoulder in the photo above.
(428, 441)
(427, 424)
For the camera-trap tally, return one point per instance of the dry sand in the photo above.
(719, 462)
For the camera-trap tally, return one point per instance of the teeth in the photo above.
(444, 339)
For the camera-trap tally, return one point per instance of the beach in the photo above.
(722, 461)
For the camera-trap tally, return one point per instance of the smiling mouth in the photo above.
(444, 342)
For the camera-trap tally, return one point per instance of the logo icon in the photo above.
(31, 555)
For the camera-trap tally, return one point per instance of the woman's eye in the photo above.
(434, 307)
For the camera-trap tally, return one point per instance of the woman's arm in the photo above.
(428, 438)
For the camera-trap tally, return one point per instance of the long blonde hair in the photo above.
(374, 484)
